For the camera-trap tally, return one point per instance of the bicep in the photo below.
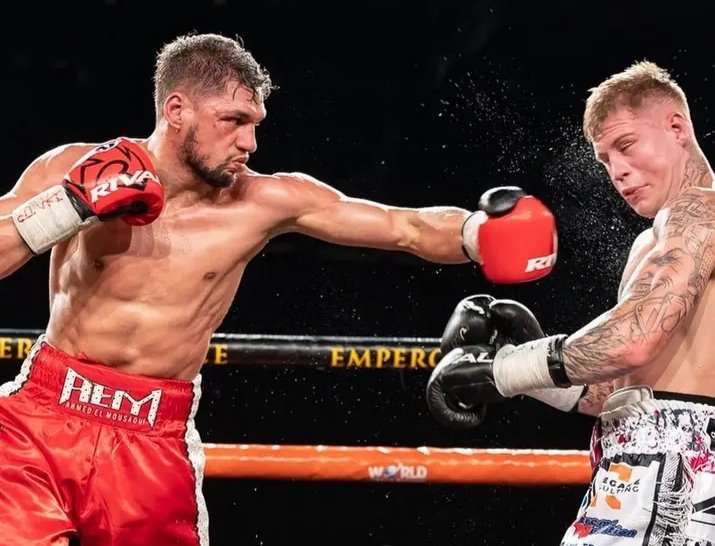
(350, 221)
(320, 211)
(638, 249)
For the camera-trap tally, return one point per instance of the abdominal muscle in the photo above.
(145, 339)
(144, 304)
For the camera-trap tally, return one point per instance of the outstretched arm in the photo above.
(512, 235)
(432, 233)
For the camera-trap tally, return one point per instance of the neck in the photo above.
(696, 172)
(179, 182)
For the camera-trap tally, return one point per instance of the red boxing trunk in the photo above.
(109, 457)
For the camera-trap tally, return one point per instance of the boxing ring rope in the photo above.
(398, 464)
(342, 463)
(378, 353)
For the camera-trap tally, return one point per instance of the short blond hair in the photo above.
(640, 81)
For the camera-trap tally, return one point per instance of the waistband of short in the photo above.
(692, 398)
(637, 420)
(79, 385)
(621, 399)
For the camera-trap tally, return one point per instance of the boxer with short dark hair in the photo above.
(150, 238)
(648, 361)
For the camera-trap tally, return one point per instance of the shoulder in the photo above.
(63, 157)
(644, 240)
(49, 168)
(693, 200)
(288, 190)
(693, 208)
(300, 182)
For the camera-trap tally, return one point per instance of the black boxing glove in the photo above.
(469, 326)
(514, 322)
(463, 383)
(461, 386)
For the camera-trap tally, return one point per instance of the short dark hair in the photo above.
(205, 63)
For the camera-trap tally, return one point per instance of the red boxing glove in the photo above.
(116, 179)
(512, 235)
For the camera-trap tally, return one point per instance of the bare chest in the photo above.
(177, 256)
(635, 263)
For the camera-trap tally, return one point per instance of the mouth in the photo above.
(632, 193)
(238, 165)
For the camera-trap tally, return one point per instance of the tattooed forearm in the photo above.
(591, 402)
(669, 283)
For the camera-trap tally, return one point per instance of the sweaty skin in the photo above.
(661, 333)
(147, 300)
(685, 362)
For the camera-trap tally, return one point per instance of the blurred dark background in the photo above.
(409, 103)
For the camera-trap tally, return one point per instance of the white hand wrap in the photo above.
(526, 368)
(48, 218)
(561, 399)
(523, 368)
(470, 234)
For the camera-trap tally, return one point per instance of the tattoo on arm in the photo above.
(591, 402)
(669, 284)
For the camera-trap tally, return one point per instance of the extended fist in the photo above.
(512, 235)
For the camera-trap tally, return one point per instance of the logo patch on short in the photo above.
(711, 431)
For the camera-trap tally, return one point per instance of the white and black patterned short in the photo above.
(655, 481)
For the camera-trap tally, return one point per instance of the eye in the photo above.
(624, 146)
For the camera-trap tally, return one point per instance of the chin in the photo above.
(646, 210)
(222, 181)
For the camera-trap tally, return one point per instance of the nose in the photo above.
(246, 140)
(619, 171)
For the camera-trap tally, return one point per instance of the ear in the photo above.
(679, 126)
(175, 110)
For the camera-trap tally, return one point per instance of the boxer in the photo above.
(150, 238)
(647, 361)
